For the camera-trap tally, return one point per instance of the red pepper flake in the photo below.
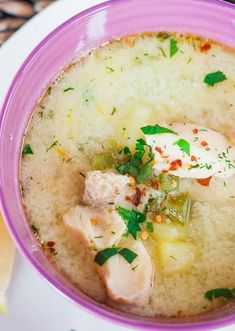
(175, 164)
(128, 198)
(193, 158)
(136, 199)
(50, 243)
(195, 131)
(52, 249)
(204, 181)
(155, 186)
(164, 171)
(204, 143)
(205, 47)
(158, 149)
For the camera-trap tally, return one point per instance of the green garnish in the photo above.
(149, 227)
(125, 150)
(133, 219)
(183, 145)
(27, 150)
(69, 89)
(109, 69)
(214, 78)
(156, 129)
(49, 90)
(52, 145)
(178, 207)
(219, 292)
(169, 183)
(113, 111)
(128, 255)
(134, 165)
(34, 229)
(102, 256)
(162, 51)
(173, 47)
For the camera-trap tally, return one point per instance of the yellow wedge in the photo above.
(7, 253)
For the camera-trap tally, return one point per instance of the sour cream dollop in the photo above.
(191, 150)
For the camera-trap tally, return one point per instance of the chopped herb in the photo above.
(49, 90)
(69, 89)
(27, 150)
(150, 227)
(156, 129)
(109, 69)
(202, 130)
(82, 174)
(133, 269)
(102, 256)
(208, 166)
(98, 237)
(172, 257)
(113, 232)
(173, 47)
(128, 255)
(219, 292)
(225, 184)
(214, 78)
(34, 229)
(134, 165)
(124, 129)
(183, 145)
(142, 36)
(40, 113)
(193, 166)
(146, 54)
(133, 220)
(52, 145)
(189, 60)
(114, 111)
(162, 51)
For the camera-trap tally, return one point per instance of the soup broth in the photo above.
(98, 106)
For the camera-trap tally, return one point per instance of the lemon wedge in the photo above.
(7, 253)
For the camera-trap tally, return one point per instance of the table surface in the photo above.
(33, 304)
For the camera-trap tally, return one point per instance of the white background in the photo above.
(33, 304)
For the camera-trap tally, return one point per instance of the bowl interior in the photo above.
(211, 19)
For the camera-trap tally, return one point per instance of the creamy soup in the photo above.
(127, 174)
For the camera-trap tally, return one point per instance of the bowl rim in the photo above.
(83, 303)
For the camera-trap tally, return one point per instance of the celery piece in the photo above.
(178, 207)
(169, 183)
(103, 161)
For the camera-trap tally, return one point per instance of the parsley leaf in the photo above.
(214, 78)
(133, 220)
(183, 145)
(219, 292)
(156, 129)
(109, 69)
(128, 255)
(102, 256)
(27, 150)
(173, 47)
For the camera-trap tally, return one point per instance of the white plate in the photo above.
(33, 304)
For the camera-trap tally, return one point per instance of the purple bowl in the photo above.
(210, 18)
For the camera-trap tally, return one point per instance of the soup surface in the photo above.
(90, 120)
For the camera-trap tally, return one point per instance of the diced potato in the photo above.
(170, 231)
(176, 256)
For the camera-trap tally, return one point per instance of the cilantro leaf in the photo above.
(27, 150)
(156, 129)
(183, 145)
(52, 145)
(214, 78)
(133, 220)
(173, 47)
(144, 172)
(219, 292)
(128, 255)
(102, 256)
